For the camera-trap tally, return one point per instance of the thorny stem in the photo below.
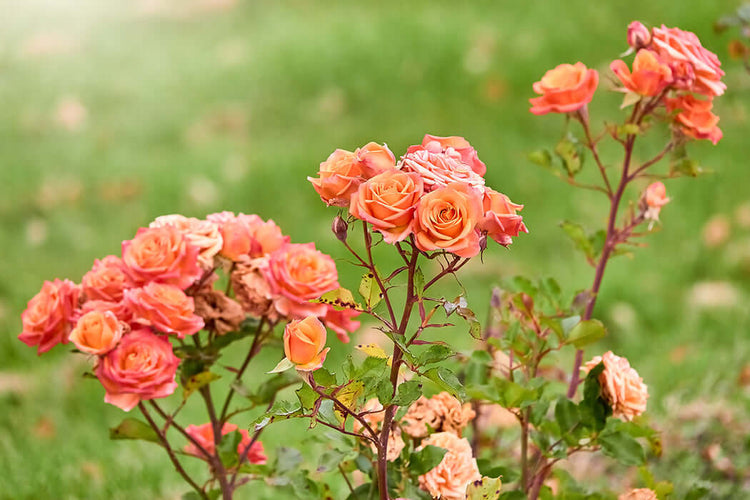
(595, 152)
(216, 464)
(383, 290)
(251, 353)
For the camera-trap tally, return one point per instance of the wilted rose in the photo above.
(251, 289)
(220, 313)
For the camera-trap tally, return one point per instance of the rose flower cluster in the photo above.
(128, 307)
(671, 68)
(435, 193)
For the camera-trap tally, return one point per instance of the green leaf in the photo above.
(287, 460)
(407, 393)
(426, 459)
(281, 410)
(340, 299)
(487, 488)
(580, 238)
(370, 290)
(283, 366)
(228, 448)
(543, 158)
(586, 332)
(307, 396)
(629, 128)
(330, 459)
(447, 380)
(268, 389)
(434, 354)
(348, 397)
(569, 323)
(248, 327)
(418, 283)
(623, 448)
(566, 414)
(195, 382)
(132, 428)
(594, 410)
(569, 151)
(324, 377)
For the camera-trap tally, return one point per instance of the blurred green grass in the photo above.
(113, 113)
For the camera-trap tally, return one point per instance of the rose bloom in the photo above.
(267, 236)
(375, 159)
(120, 309)
(204, 435)
(439, 167)
(97, 332)
(373, 414)
(639, 36)
(48, 317)
(387, 201)
(339, 177)
(454, 415)
(204, 234)
(622, 388)
(251, 289)
(304, 342)
(341, 322)
(141, 367)
(673, 44)
(106, 280)
(161, 254)
(165, 307)
(564, 89)
(461, 146)
(654, 198)
(450, 478)
(500, 220)
(421, 418)
(695, 117)
(649, 77)
(639, 494)
(446, 219)
(298, 273)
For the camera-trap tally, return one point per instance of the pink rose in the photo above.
(622, 387)
(47, 320)
(204, 435)
(564, 89)
(161, 254)
(106, 280)
(639, 36)
(142, 367)
(341, 322)
(461, 146)
(437, 168)
(97, 332)
(500, 220)
(203, 234)
(165, 307)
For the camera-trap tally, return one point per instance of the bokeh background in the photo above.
(114, 112)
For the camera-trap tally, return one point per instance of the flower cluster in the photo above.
(440, 413)
(436, 194)
(622, 387)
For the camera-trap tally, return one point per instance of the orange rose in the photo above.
(567, 88)
(649, 77)
(161, 254)
(375, 159)
(340, 176)
(446, 219)
(247, 235)
(237, 240)
(461, 146)
(165, 307)
(695, 117)
(387, 201)
(204, 435)
(106, 280)
(439, 167)
(141, 367)
(622, 387)
(97, 332)
(304, 342)
(500, 220)
(48, 317)
(450, 478)
(203, 234)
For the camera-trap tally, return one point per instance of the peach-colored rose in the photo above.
(649, 77)
(654, 198)
(165, 307)
(266, 236)
(373, 414)
(639, 36)
(622, 388)
(298, 273)
(500, 220)
(106, 280)
(564, 89)
(161, 254)
(251, 289)
(673, 44)
(387, 201)
(204, 435)
(119, 309)
(695, 117)
(450, 478)
(247, 235)
(141, 367)
(446, 219)
(461, 146)
(438, 167)
(421, 418)
(639, 494)
(236, 238)
(339, 177)
(304, 342)
(375, 159)
(97, 332)
(47, 320)
(341, 322)
(454, 415)
(204, 234)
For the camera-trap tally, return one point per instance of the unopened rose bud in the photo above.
(639, 36)
(496, 296)
(339, 227)
(483, 242)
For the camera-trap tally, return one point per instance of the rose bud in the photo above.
(97, 332)
(639, 36)
(654, 198)
(339, 228)
(304, 342)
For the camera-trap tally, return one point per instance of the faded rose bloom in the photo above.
(649, 77)
(220, 313)
(339, 177)
(106, 280)
(375, 159)
(639, 36)
(341, 322)
(252, 289)
(387, 201)
(97, 332)
(298, 273)
(500, 220)
(204, 234)
(446, 219)
(454, 415)
(204, 435)
(450, 478)
(673, 44)
(654, 198)
(141, 367)
(165, 307)
(564, 89)
(622, 388)
(695, 117)
(638, 494)
(304, 342)
(438, 167)
(395, 444)
(161, 254)
(461, 146)
(421, 418)
(47, 320)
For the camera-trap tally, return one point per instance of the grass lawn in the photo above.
(113, 113)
